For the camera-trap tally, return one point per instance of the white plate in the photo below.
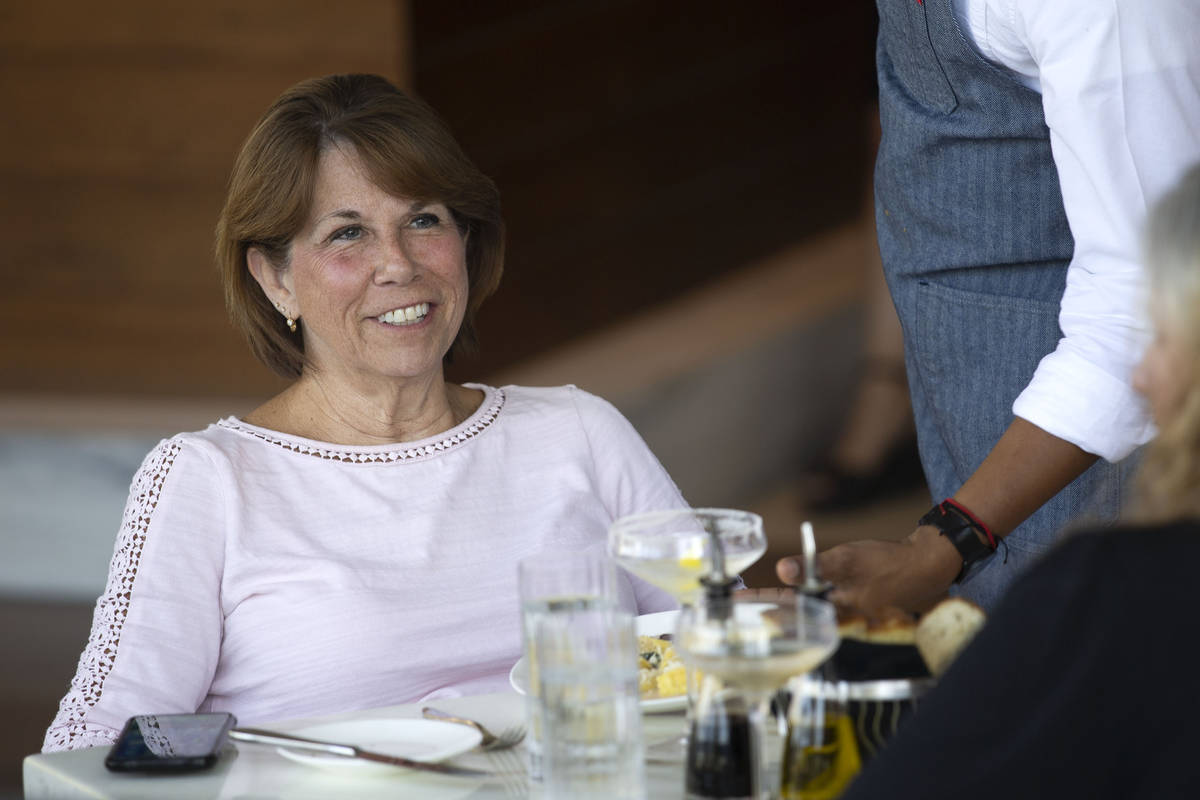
(647, 625)
(418, 739)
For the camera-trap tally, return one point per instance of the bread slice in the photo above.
(945, 630)
(891, 626)
(852, 623)
(883, 626)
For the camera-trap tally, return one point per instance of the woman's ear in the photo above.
(276, 283)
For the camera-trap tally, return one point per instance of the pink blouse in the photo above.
(277, 577)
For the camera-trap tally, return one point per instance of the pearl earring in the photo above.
(291, 323)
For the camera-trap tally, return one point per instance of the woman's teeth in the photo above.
(405, 316)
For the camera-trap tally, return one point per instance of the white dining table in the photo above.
(257, 772)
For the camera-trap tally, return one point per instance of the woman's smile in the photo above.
(406, 316)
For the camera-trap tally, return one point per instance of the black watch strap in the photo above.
(970, 537)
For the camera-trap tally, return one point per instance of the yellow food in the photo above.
(660, 672)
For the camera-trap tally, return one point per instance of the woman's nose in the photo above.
(394, 264)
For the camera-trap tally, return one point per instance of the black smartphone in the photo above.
(169, 742)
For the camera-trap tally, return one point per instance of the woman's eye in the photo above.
(425, 220)
(349, 233)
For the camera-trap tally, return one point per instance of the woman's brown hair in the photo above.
(407, 150)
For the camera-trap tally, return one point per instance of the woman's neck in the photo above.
(401, 411)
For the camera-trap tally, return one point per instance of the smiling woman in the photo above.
(379, 285)
(353, 541)
(350, 201)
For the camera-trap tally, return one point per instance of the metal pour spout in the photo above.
(718, 586)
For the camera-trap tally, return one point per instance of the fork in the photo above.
(512, 771)
(508, 737)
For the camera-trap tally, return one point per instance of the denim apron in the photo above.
(975, 246)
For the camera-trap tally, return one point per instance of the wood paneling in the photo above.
(120, 125)
(641, 149)
(645, 148)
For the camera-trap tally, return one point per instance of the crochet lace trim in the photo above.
(482, 420)
(71, 729)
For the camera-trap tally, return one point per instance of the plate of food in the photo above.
(661, 676)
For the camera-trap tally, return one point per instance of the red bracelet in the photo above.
(962, 529)
(976, 521)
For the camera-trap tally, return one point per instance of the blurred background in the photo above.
(684, 184)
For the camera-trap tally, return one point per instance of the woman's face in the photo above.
(378, 282)
(1165, 373)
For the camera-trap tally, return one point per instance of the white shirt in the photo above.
(1120, 86)
(276, 577)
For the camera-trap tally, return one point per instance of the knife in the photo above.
(260, 736)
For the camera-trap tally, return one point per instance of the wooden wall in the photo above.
(120, 124)
(641, 148)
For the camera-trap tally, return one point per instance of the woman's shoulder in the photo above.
(213, 443)
(520, 393)
(560, 406)
(566, 398)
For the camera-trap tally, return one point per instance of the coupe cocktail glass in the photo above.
(672, 549)
(752, 647)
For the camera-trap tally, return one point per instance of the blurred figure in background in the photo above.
(875, 453)
(1022, 142)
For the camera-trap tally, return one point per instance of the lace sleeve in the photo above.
(71, 728)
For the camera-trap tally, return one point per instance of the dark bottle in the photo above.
(721, 760)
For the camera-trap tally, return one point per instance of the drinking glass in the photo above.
(554, 583)
(752, 647)
(591, 711)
